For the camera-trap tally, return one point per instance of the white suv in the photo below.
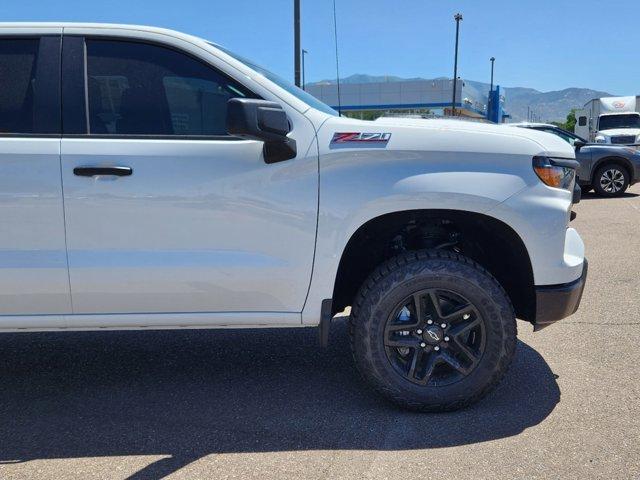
(151, 179)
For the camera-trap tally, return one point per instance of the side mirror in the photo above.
(263, 121)
(578, 144)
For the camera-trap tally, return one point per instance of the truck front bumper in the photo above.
(555, 302)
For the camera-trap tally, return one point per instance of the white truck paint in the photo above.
(611, 120)
(208, 235)
(156, 180)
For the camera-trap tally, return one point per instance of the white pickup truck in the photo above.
(150, 179)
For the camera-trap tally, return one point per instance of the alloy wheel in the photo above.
(435, 337)
(612, 180)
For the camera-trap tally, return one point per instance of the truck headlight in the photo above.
(557, 173)
(601, 139)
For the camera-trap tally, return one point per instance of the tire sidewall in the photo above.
(477, 287)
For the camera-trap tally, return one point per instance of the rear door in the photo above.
(181, 218)
(33, 264)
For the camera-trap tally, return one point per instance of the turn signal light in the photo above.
(553, 174)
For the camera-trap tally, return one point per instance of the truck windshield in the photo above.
(281, 82)
(609, 122)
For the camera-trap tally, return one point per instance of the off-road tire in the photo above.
(402, 276)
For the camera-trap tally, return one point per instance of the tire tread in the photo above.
(359, 312)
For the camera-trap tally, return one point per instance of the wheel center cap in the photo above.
(433, 335)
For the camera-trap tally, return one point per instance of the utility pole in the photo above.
(457, 18)
(304, 83)
(296, 41)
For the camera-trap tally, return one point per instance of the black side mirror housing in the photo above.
(578, 144)
(264, 121)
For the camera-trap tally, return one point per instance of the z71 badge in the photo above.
(359, 137)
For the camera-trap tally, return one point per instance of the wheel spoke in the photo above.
(397, 327)
(451, 360)
(430, 365)
(457, 346)
(467, 309)
(417, 301)
(400, 342)
(464, 326)
(435, 302)
(417, 353)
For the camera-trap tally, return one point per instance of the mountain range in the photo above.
(547, 106)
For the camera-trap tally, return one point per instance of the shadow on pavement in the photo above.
(188, 394)
(595, 196)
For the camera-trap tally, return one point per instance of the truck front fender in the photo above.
(356, 188)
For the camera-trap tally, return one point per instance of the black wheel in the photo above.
(611, 180)
(432, 331)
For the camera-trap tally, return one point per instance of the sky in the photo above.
(541, 44)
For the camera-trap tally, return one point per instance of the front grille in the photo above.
(623, 139)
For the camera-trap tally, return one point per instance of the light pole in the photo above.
(304, 52)
(457, 18)
(492, 59)
(490, 97)
(296, 41)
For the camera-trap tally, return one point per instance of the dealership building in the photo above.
(412, 96)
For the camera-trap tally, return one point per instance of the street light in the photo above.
(490, 97)
(296, 42)
(457, 18)
(304, 52)
(492, 59)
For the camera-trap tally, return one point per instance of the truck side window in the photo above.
(143, 89)
(582, 121)
(17, 85)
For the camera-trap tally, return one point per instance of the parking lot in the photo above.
(272, 404)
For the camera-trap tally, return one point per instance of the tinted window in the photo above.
(582, 121)
(609, 122)
(17, 85)
(142, 89)
(282, 83)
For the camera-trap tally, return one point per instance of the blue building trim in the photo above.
(496, 111)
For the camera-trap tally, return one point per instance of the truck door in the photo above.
(165, 212)
(582, 124)
(34, 283)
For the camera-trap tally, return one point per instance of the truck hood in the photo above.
(548, 143)
(620, 131)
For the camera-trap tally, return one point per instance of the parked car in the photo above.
(608, 169)
(151, 179)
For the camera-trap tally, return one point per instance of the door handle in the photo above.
(94, 171)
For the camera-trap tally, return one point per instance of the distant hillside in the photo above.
(549, 106)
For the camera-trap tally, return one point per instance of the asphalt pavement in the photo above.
(271, 404)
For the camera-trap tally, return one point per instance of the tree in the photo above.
(570, 124)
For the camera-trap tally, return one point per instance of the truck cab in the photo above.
(610, 120)
(618, 128)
